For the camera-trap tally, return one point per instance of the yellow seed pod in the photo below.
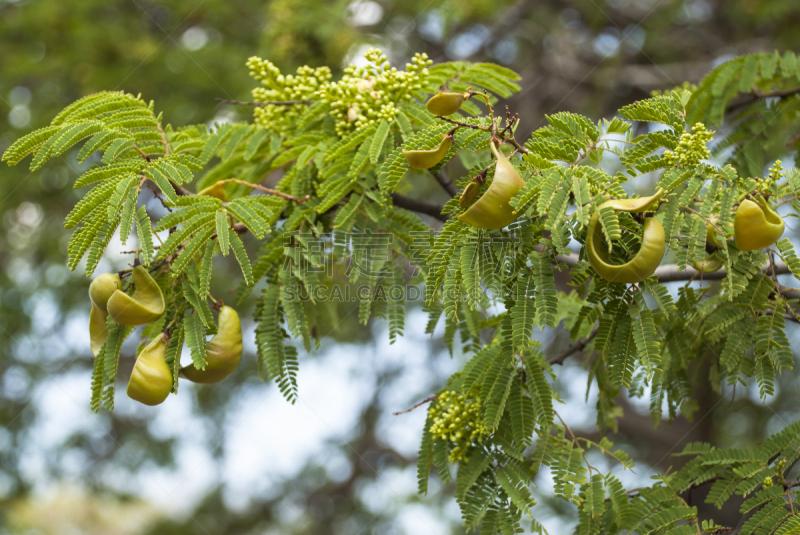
(98, 329)
(756, 225)
(102, 288)
(635, 206)
(445, 102)
(425, 159)
(145, 305)
(710, 263)
(151, 378)
(224, 350)
(468, 195)
(217, 190)
(640, 267)
(492, 210)
(650, 252)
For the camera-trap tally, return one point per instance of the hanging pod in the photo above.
(425, 159)
(224, 350)
(650, 253)
(98, 329)
(102, 288)
(151, 378)
(100, 291)
(468, 195)
(756, 225)
(216, 190)
(710, 263)
(492, 210)
(145, 305)
(445, 102)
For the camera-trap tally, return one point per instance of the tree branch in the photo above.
(573, 348)
(670, 273)
(444, 180)
(755, 95)
(419, 206)
(266, 103)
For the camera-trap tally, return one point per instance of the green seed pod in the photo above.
(224, 350)
(468, 195)
(635, 206)
(151, 378)
(650, 253)
(640, 267)
(98, 329)
(425, 159)
(492, 210)
(145, 305)
(102, 288)
(445, 103)
(756, 225)
(216, 190)
(709, 264)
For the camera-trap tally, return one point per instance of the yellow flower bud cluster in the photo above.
(368, 93)
(459, 421)
(775, 174)
(691, 148)
(688, 86)
(277, 87)
(365, 94)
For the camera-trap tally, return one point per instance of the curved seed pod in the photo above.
(634, 206)
(217, 189)
(425, 159)
(712, 236)
(224, 350)
(492, 210)
(445, 103)
(145, 305)
(468, 195)
(709, 264)
(102, 288)
(640, 267)
(98, 329)
(151, 378)
(756, 225)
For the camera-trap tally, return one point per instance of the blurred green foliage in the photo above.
(590, 56)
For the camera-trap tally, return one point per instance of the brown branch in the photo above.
(463, 125)
(266, 103)
(670, 273)
(269, 190)
(420, 404)
(419, 206)
(577, 347)
(756, 95)
(444, 180)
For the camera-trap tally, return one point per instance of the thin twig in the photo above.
(705, 219)
(163, 139)
(463, 125)
(419, 206)
(141, 152)
(444, 180)
(420, 404)
(574, 348)
(269, 190)
(266, 103)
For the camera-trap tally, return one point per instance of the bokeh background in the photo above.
(236, 458)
